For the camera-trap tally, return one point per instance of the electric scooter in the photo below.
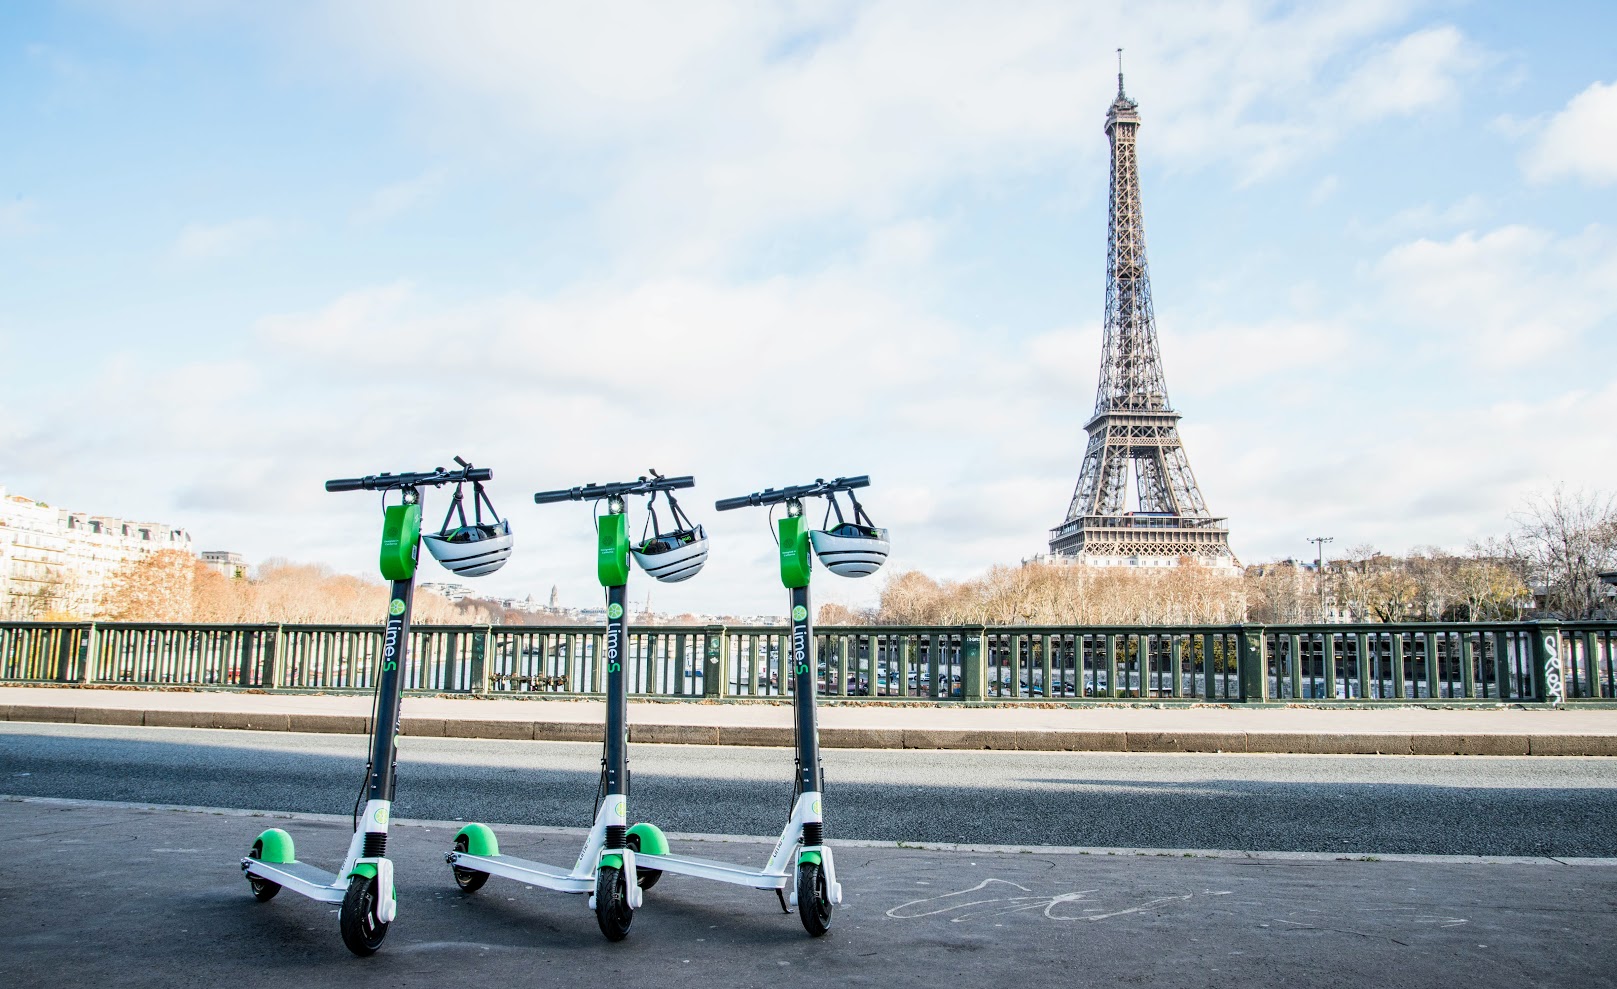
(363, 886)
(801, 862)
(607, 868)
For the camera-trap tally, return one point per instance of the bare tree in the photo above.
(1569, 538)
(155, 588)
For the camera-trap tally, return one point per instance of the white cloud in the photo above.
(1250, 354)
(391, 200)
(1414, 73)
(905, 244)
(1514, 295)
(715, 123)
(1579, 142)
(209, 242)
(1427, 218)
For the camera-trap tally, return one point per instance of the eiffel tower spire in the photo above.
(1134, 425)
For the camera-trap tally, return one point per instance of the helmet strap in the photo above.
(859, 514)
(456, 504)
(479, 500)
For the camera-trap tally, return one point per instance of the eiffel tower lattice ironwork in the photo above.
(1134, 425)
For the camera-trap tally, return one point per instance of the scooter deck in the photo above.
(525, 871)
(299, 877)
(724, 872)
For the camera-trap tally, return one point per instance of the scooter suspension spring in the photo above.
(375, 845)
(814, 834)
(616, 836)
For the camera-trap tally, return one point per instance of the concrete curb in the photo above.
(1062, 740)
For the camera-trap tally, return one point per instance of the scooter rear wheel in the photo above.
(362, 932)
(813, 899)
(612, 910)
(264, 890)
(469, 880)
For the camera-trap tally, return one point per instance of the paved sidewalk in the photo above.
(1392, 731)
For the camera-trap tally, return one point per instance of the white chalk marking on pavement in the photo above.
(996, 906)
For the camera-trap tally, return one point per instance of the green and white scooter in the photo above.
(607, 867)
(363, 886)
(801, 868)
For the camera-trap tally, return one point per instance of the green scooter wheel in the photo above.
(263, 889)
(362, 932)
(612, 910)
(813, 899)
(647, 878)
(469, 880)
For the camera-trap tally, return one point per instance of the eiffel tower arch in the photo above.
(1134, 431)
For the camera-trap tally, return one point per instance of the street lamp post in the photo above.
(1319, 569)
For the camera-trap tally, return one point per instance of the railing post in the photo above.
(92, 642)
(482, 646)
(1549, 682)
(973, 668)
(270, 676)
(716, 662)
(1398, 672)
(1253, 663)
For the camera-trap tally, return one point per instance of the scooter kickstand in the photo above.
(780, 895)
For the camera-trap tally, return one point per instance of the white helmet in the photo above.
(851, 549)
(854, 548)
(471, 549)
(673, 556)
(677, 554)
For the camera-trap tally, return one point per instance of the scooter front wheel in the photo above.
(813, 899)
(647, 878)
(469, 880)
(264, 890)
(362, 931)
(612, 910)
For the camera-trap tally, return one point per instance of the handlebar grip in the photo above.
(686, 481)
(726, 504)
(862, 481)
(346, 484)
(480, 474)
(546, 497)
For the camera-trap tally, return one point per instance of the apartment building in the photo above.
(58, 562)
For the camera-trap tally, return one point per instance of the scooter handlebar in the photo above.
(617, 489)
(770, 496)
(383, 482)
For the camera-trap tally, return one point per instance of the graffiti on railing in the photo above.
(1554, 687)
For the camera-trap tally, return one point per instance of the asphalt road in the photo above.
(1338, 804)
(110, 896)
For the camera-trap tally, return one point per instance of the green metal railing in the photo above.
(1523, 662)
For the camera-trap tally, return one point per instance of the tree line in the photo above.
(174, 586)
(1548, 564)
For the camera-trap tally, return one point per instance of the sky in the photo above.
(246, 247)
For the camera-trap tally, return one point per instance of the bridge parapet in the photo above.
(1512, 662)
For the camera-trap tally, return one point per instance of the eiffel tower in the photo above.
(1134, 424)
